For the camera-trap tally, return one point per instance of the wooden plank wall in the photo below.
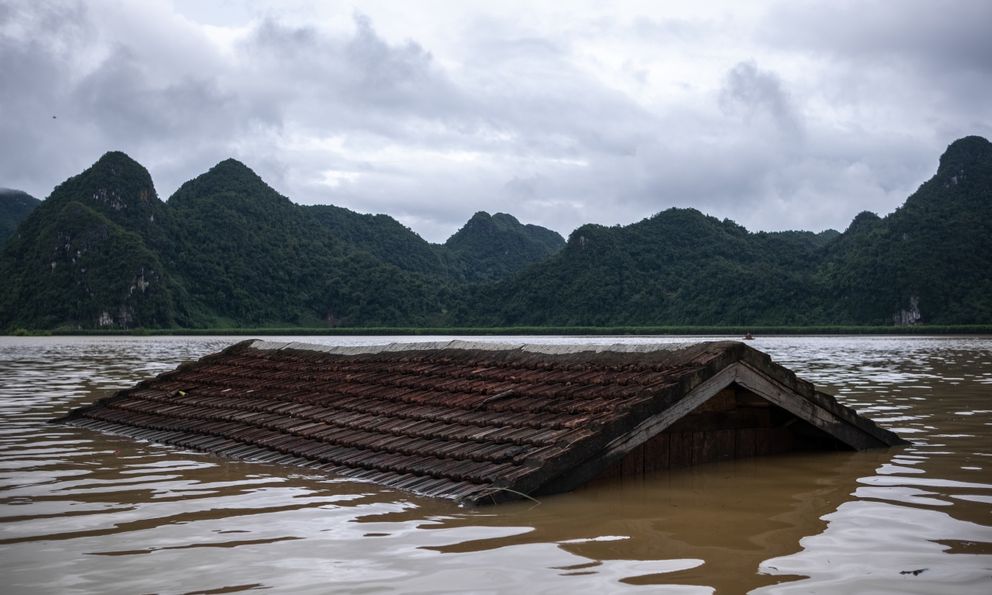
(734, 424)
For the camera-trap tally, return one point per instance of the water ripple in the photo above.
(82, 512)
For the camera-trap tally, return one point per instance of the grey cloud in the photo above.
(922, 58)
(329, 86)
(520, 121)
(387, 73)
(517, 124)
(752, 92)
(946, 35)
(36, 41)
(361, 76)
(129, 103)
(675, 32)
(523, 104)
(525, 187)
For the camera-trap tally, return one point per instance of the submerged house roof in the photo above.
(482, 423)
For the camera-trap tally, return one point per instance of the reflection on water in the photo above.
(81, 512)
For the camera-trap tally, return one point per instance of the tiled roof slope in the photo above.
(471, 422)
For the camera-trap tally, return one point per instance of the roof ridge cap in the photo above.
(540, 348)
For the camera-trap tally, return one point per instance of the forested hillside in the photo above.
(251, 256)
(86, 256)
(103, 251)
(929, 261)
(488, 247)
(678, 267)
(15, 206)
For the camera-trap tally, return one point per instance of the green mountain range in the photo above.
(226, 250)
(102, 251)
(928, 261)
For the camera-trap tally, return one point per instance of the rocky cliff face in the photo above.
(86, 256)
(910, 315)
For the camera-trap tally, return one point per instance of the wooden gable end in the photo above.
(748, 409)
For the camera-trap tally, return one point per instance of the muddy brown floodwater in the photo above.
(83, 512)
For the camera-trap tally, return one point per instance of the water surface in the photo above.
(83, 512)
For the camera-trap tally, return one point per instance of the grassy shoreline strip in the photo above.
(976, 329)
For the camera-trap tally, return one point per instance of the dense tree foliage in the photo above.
(87, 256)
(225, 250)
(935, 251)
(678, 267)
(382, 237)
(491, 247)
(72, 266)
(929, 261)
(228, 250)
(15, 206)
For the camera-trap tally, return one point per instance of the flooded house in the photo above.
(482, 423)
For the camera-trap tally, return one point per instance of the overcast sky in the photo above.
(779, 115)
